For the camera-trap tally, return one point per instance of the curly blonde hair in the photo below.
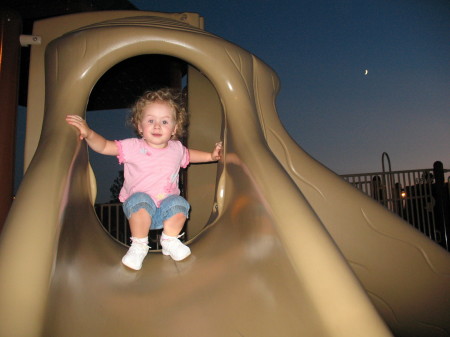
(172, 97)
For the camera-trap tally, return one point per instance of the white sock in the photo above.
(140, 240)
(164, 236)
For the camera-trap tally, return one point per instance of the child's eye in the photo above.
(165, 122)
(150, 121)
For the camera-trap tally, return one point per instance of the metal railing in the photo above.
(116, 224)
(409, 194)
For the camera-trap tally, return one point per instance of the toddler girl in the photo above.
(150, 194)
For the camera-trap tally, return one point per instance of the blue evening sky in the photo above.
(320, 49)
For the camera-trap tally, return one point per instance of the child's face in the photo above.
(158, 124)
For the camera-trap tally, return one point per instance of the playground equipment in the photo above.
(281, 245)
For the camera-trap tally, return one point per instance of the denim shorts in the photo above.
(170, 206)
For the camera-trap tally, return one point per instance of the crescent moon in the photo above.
(366, 72)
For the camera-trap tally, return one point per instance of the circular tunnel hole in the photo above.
(107, 113)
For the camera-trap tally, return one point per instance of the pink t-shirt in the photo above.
(149, 170)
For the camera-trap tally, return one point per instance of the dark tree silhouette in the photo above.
(116, 187)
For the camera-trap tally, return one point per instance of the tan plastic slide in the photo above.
(281, 245)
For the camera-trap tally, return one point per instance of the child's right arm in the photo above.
(95, 141)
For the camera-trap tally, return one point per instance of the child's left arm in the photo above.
(197, 156)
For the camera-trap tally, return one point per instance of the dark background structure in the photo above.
(118, 87)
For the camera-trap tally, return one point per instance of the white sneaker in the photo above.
(174, 247)
(135, 255)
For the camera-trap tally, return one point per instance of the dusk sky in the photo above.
(321, 50)
(358, 77)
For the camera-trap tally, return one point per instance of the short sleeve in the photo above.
(186, 158)
(121, 156)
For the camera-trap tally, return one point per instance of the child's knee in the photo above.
(139, 202)
(178, 217)
(175, 205)
(141, 213)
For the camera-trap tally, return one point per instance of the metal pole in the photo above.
(442, 206)
(389, 184)
(10, 30)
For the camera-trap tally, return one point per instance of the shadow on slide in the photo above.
(289, 249)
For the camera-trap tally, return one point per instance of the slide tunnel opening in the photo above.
(108, 111)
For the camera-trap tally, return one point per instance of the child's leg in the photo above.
(175, 210)
(138, 209)
(140, 223)
(174, 225)
(170, 243)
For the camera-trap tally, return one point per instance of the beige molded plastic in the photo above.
(289, 249)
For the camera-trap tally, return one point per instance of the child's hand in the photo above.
(217, 152)
(80, 124)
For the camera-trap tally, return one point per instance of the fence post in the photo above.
(442, 207)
